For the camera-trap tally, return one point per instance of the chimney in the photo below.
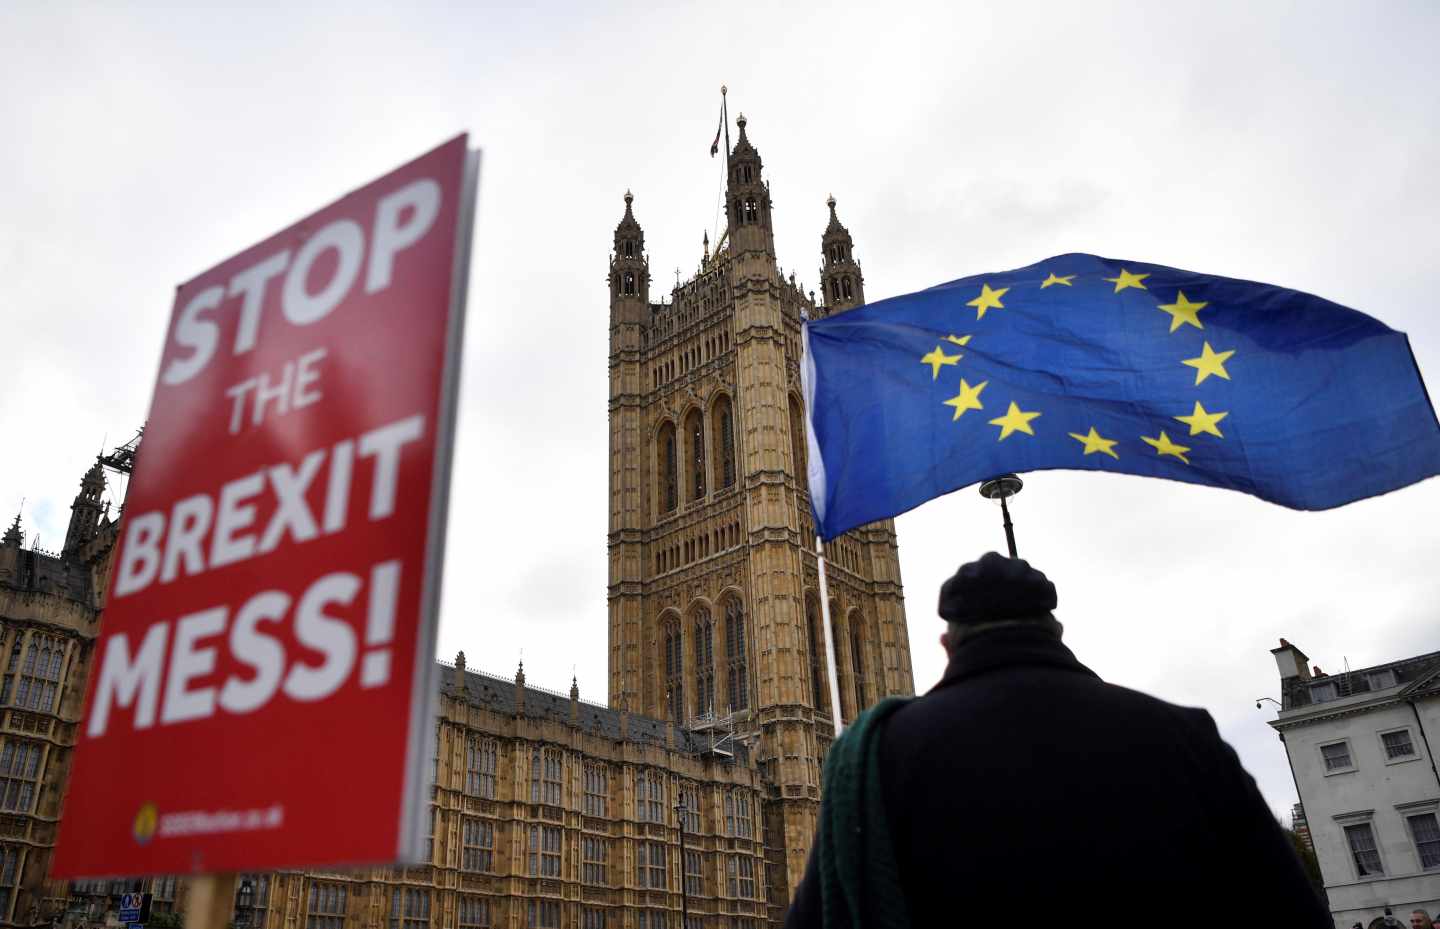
(520, 690)
(624, 720)
(574, 701)
(1291, 662)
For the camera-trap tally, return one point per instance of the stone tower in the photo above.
(86, 511)
(713, 604)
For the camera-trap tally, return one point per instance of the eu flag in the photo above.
(1087, 362)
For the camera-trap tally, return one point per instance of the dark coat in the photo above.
(1023, 786)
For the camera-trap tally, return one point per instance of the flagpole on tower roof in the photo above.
(725, 118)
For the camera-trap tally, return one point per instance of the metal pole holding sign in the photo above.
(211, 902)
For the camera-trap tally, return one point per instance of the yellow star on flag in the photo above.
(1014, 420)
(1095, 442)
(1126, 280)
(938, 358)
(1163, 446)
(1210, 362)
(1202, 421)
(1183, 311)
(988, 299)
(967, 399)
(958, 340)
(1057, 279)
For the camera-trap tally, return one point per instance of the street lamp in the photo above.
(680, 811)
(1002, 488)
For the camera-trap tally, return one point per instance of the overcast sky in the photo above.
(1293, 143)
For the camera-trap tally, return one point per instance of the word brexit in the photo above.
(208, 531)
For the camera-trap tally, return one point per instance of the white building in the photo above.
(1360, 749)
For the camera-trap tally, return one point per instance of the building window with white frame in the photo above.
(1336, 756)
(480, 761)
(327, 906)
(477, 846)
(597, 789)
(473, 913)
(1382, 679)
(1322, 692)
(1361, 838)
(1398, 745)
(1426, 832)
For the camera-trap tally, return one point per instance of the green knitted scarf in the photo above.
(859, 877)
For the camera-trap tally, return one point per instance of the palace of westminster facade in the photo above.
(550, 811)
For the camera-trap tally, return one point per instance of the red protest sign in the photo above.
(261, 692)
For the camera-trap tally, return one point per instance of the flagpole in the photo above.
(831, 672)
(725, 118)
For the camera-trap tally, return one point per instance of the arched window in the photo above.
(745, 173)
(845, 286)
(669, 475)
(737, 671)
(723, 422)
(846, 712)
(819, 693)
(629, 283)
(751, 213)
(798, 447)
(704, 663)
(857, 663)
(695, 457)
(674, 683)
(629, 249)
(835, 288)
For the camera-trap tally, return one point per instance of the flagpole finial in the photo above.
(723, 90)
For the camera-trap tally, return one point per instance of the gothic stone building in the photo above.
(549, 811)
(713, 599)
(49, 606)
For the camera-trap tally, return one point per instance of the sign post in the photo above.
(262, 690)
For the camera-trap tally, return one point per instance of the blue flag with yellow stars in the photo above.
(1086, 362)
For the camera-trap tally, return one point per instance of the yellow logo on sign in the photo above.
(145, 822)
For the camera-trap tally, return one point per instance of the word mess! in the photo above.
(136, 680)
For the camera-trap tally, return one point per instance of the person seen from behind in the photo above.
(1022, 782)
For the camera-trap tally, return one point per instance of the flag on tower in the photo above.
(1091, 363)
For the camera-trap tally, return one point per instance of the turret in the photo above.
(747, 200)
(841, 283)
(13, 537)
(86, 510)
(629, 271)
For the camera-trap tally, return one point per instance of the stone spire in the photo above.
(460, 671)
(85, 512)
(629, 270)
(842, 286)
(747, 206)
(13, 537)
